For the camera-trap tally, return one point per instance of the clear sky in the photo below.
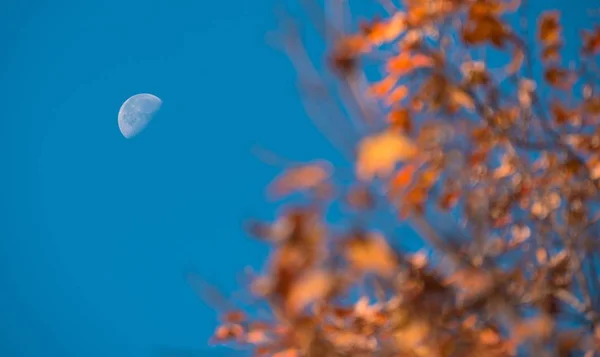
(96, 230)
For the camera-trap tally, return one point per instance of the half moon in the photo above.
(136, 112)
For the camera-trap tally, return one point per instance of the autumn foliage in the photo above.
(477, 134)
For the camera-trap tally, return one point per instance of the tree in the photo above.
(494, 167)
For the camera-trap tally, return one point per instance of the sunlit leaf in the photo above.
(593, 165)
(541, 255)
(462, 98)
(312, 287)
(419, 260)
(256, 337)
(379, 154)
(386, 31)
(411, 41)
(412, 334)
(371, 254)
(405, 63)
(400, 64)
(489, 337)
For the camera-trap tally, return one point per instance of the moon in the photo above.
(136, 112)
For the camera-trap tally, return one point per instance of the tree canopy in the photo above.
(463, 120)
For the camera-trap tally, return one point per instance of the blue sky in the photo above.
(96, 230)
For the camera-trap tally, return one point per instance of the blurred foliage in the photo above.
(448, 136)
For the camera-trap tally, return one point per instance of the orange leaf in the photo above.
(395, 26)
(300, 178)
(371, 254)
(400, 118)
(378, 154)
(489, 337)
(537, 327)
(256, 337)
(410, 41)
(403, 177)
(562, 115)
(414, 201)
(404, 63)
(525, 90)
(416, 104)
(481, 9)
(381, 32)
(520, 233)
(471, 281)
(383, 87)
(558, 78)
(516, 63)
(449, 199)
(228, 332)
(422, 61)
(462, 98)
(551, 52)
(592, 105)
(312, 287)
(478, 157)
(541, 256)
(429, 177)
(549, 27)
(485, 29)
(416, 14)
(469, 322)
(400, 64)
(290, 352)
(396, 95)
(591, 41)
(593, 165)
(419, 260)
(475, 72)
(354, 44)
